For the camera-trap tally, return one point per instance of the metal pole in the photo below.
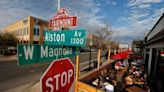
(90, 58)
(58, 5)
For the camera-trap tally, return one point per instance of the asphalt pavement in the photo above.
(13, 76)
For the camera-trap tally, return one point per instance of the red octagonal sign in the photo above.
(58, 77)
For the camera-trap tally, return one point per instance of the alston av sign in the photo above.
(65, 37)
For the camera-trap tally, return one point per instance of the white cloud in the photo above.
(141, 2)
(139, 23)
(86, 10)
(144, 6)
(125, 34)
(95, 10)
(14, 10)
(110, 2)
(114, 3)
(160, 11)
(137, 15)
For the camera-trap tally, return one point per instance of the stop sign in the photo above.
(58, 77)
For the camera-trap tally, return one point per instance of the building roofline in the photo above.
(13, 23)
(155, 24)
(38, 18)
(20, 20)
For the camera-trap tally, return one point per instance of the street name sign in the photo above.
(65, 37)
(58, 77)
(63, 22)
(31, 54)
(62, 19)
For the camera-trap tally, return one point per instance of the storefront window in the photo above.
(27, 30)
(36, 30)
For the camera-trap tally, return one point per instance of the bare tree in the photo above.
(101, 36)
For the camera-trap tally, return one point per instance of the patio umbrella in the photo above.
(129, 50)
(121, 55)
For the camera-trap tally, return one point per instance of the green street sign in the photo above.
(65, 37)
(31, 54)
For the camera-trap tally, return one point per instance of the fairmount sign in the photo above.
(62, 19)
(65, 37)
(30, 54)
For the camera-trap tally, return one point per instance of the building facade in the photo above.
(153, 56)
(123, 47)
(137, 45)
(29, 30)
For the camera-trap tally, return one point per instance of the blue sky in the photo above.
(129, 19)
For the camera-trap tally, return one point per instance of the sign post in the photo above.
(58, 77)
(77, 72)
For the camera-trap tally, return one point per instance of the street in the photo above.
(12, 75)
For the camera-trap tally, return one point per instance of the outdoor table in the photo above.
(135, 89)
(139, 83)
(109, 88)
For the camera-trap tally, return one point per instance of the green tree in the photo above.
(7, 40)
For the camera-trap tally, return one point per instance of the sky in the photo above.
(128, 19)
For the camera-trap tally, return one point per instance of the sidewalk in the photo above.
(8, 58)
(35, 86)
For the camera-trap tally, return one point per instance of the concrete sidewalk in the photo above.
(8, 58)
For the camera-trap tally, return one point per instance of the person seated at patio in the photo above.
(112, 75)
(96, 82)
(133, 69)
(137, 74)
(118, 65)
(125, 62)
(129, 81)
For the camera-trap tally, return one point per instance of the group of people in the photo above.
(132, 73)
(123, 74)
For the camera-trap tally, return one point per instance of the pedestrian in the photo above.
(106, 55)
